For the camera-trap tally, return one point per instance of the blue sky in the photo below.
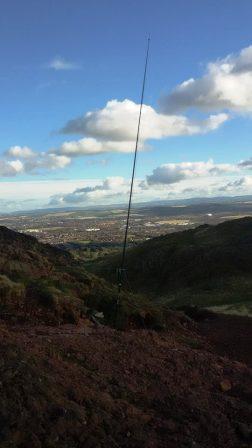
(61, 59)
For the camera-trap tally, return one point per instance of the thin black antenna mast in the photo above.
(121, 269)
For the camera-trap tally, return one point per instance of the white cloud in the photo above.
(54, 161)
(10, 168)
(17, 165)
(90, 146)
(238, 185)
(25, 195)
(117, 121)
(174, 180)
(110, 129)
(246, 164)
(109, 188)
(226, 85)
(22, 152)
(113, 128)
(171, 173)
(32, 194)
(45, 161)
(32, 163)
(58, 63)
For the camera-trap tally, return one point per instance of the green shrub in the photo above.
(12, 295)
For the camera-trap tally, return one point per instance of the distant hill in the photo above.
(207, 266)
(214, 200)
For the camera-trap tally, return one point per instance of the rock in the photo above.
(225, 385)
(171, 425)
(99, 315)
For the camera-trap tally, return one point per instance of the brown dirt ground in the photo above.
(95, 387)
(230, 335)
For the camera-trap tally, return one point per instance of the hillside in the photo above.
(69, 381)
(206, 266)
(105, 388)
(40, 283)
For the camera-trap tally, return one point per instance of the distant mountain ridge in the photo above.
(161, 202)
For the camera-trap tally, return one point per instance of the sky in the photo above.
(70, 86)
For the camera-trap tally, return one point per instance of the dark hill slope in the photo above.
(41, 283)
(20, 253)
(202, 259)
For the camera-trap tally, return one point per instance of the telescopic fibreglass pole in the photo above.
(120, 270)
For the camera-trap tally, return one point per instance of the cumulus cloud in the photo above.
(247, 164)
(46, 161)
(117, 121)
(22, 152)
(237, 185)
(226, 85)
(10, 168)
(58, 63)
(90, 146)
(113, 128)
(171, 173)
(32, 162)
(177, 180)
(107, 189)
(54, 161)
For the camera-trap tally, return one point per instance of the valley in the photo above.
(97, 231)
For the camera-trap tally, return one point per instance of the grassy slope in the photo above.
(206, 266)
(40, 283)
